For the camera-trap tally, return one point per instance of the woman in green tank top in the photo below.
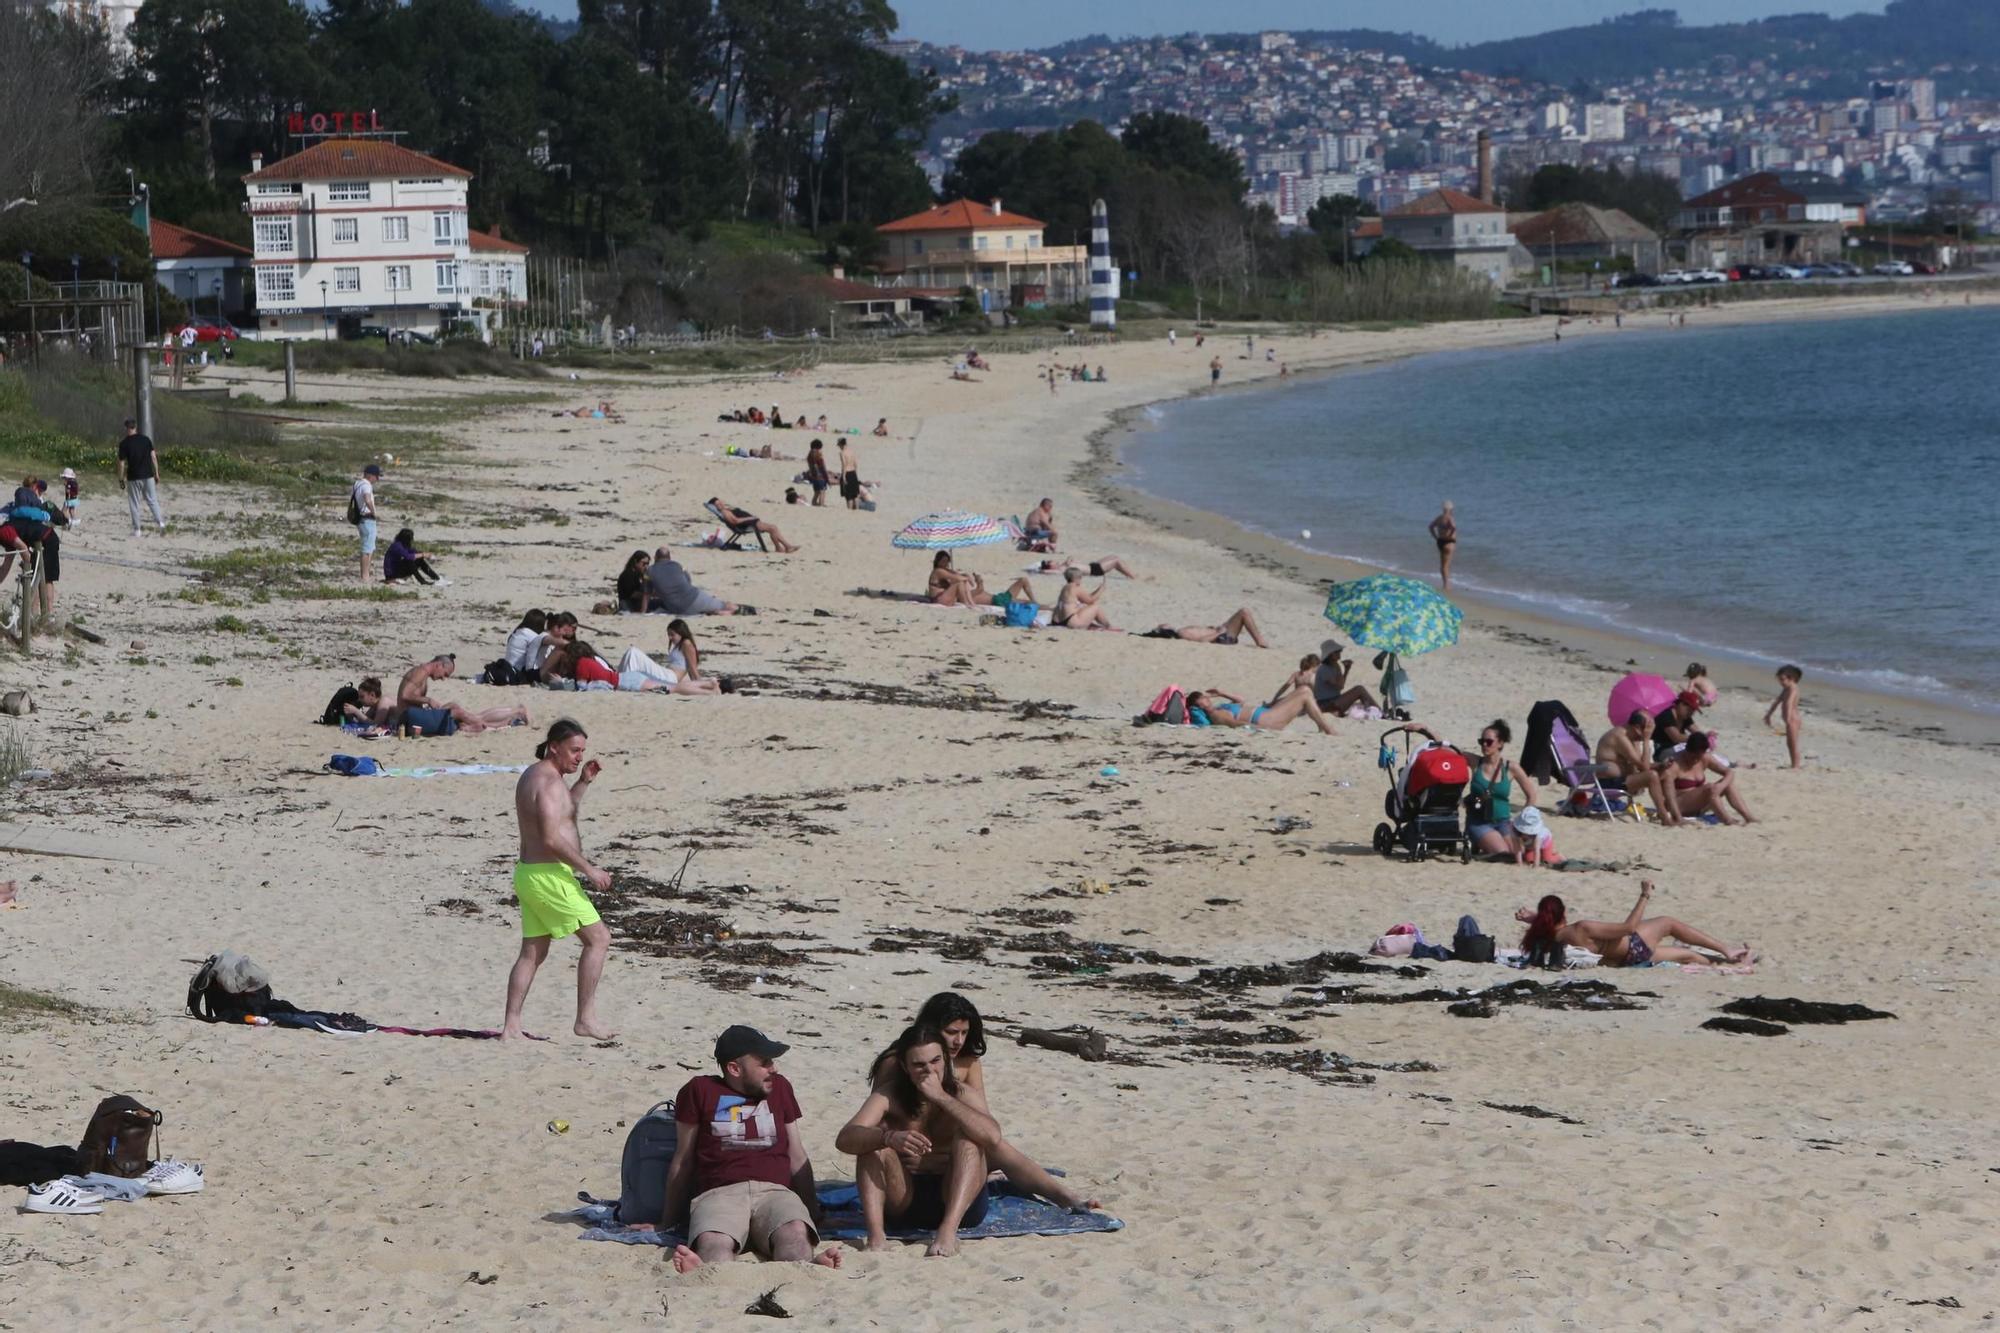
(1494, 777)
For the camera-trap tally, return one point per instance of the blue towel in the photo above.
(1009, 1212)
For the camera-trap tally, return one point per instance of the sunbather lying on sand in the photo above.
(1228, 632)
(1633, 942)
(1219, 708)
(1097, 569)
(414, 694)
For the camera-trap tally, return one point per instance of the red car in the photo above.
(207, 329)
(1930, 270)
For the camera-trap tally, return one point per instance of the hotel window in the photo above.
(347, 279)
(447, 276)
(1035, 240)
(346, 231)
(444, 228)
(486, 278)
(274, 236)
(348, 192)
(396, 229)
(275, 286)
(965, 242)
(284, 187)
(979, 243)
(397, 277)
(917, 245)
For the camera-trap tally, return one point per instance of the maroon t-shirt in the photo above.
(737, 1139)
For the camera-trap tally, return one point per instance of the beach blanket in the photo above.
(353, 766)
(917, 599)
(1009, 1212)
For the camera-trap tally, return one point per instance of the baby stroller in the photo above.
(1423, 799)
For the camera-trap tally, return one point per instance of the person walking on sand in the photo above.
(553, 905)
(1444, 531)
(139, 469)
(740, 1166)
(1214, 371)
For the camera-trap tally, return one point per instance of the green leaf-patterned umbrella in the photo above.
(1393, 614)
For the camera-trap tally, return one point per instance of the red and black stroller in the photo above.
(1423, 800)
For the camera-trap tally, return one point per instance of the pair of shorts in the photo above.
(430, 721)
(749, 1212)
(1477, 831)
(850, 486)
(367, 527)
(552, 902)
(927, 1199)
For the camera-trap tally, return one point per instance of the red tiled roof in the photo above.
(1439, 202)
(493, 241)
(171, 242)
(960, 215)
(1368, 229)
(354, 159)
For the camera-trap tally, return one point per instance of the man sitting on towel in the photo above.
(739, 1151)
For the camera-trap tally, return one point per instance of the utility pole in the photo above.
(142, 388)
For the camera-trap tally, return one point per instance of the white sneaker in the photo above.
(55, 1196)
(170, 1177)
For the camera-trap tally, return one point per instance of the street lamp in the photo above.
(326, 325)
(27, 282)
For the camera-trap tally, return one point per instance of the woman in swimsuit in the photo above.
(955, 1019)
(1444, 531)
(948, 587)
(1633, 942)
(1219, 708)
(1692, 793)
(1227, 633)
(1109, 564)
(1077, 609)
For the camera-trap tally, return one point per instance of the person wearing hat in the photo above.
(70, 496)
(361, 513)
(1330, 688)
(1533, 843)
(1672, 727)
(740, 1167)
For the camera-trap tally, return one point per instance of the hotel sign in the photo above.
(333, 122)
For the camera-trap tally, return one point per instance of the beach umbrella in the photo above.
(1390, 613)
(949, 529)
(1638, 690)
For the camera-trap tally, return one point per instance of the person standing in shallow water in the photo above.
(1444, 531)
(553, 904)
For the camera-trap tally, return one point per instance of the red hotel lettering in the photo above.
(340, 122)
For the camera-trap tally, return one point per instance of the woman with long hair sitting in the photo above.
(1633, 942)
(632, 582)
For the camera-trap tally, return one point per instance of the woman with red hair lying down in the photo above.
(1633, 942)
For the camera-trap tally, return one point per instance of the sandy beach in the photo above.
(905, 799)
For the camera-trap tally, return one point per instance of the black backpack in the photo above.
(335, 713)
(642, 1174)
(502, 672)
(211, 1002)
(1468, 945)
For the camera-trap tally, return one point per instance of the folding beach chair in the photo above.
(737, 531)
(1578, 770)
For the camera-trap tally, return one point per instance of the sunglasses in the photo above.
(1485, 741)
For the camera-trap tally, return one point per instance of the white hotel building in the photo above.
(364, 232)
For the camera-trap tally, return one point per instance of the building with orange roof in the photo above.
(211, 275)
(354, 233)
(999, 255)
(1454, 226)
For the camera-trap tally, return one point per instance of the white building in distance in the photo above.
(114, 15)
(363, 232)
(1604, 122)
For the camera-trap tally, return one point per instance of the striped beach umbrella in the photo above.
(1390, 613)
(949, 529)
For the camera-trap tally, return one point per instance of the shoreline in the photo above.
(1606, 648)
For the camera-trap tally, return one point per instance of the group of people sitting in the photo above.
(1672, 762)
(924, 1140)
(658, 584)
(545, 649)
(775, 419)
(365, 708)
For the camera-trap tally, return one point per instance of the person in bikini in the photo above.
(1097, 569)
(1634, 942)
(1229, 632)
(1077, 609)
(948, 587)
(920, 1143)
(958, 1022)
(1444, 531)
(1219, 708)
(1621, 761)
(1692, 792)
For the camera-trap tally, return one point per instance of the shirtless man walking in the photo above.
(545, 879)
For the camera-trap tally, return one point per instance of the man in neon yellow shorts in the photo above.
(553, 904)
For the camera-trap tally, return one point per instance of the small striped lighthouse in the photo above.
(1103, 275)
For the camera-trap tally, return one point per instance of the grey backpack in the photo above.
(642, 1175)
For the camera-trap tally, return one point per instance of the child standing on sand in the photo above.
(1788, 702)
(1698, 681)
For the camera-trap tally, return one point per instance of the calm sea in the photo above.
(1824, 492)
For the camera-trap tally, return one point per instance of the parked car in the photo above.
(1845, 269)
(207, 329)
(1824, 271)
(1789, 272)
(1925, 267)
(1894, 268)
(1635, 280)
(1708, 275)
(1675, 277)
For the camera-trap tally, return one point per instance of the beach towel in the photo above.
(348, 765)
(1009, 1212)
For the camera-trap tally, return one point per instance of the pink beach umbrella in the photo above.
(1651, 693)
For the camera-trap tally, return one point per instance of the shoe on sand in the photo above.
(55, 1196)
(171, 1177)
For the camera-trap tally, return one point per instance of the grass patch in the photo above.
(15, 758)
(19, 1005)
(454, 359)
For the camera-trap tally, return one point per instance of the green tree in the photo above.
(1332, 219)
(1182, 145)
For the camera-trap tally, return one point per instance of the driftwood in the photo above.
(1085, 1045)
(84, 634)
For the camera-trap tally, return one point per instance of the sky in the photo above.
(1033, 23)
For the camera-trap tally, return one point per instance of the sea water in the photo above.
(1818, 492)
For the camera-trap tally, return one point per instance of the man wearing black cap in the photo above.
(737, 1156)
